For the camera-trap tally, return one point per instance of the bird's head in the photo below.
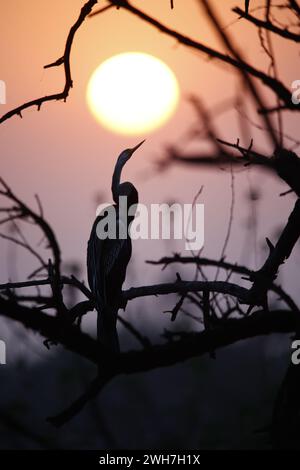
(124, 189)
(127, 154)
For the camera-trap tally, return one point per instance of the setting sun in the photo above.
(132, 93)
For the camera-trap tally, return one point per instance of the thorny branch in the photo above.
(276, 86)
(20, 211)
(197, 344)
(65, 61)
(284, 33)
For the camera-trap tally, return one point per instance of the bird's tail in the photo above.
(107, 333)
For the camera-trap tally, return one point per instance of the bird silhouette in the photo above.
(107, 259)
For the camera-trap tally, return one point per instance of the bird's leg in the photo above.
(107, 331)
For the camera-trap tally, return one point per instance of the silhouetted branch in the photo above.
(17, 426)
(65, 61)
(285, 163)
(178, 287)
(50, 327)
(246, 75)
(247, 6)
(278, 88)
(143, 340)
(23, 212)
(259, 323)
(207, 122)
(294, 5)
(264, 277)
(182, 287)
(284, 33)
(236, 268)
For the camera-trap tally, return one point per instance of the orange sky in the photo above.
(66, 157)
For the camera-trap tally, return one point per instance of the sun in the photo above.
(132, 93)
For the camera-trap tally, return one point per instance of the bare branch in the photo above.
(246, 74)
(27, 213)
(165, 261)
(263, 278)
(268, 25)
(278, 88)
(65, 61)
(197, 344)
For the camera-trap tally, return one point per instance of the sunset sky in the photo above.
(63, 154)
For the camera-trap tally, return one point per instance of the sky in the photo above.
(62, 154)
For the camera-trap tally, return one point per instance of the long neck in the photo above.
(116, 179)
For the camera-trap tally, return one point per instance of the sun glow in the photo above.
(132, 93)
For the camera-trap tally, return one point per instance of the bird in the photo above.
(107, 259)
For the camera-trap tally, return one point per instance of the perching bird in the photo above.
(107, 259)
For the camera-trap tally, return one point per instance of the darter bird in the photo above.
(107, 259)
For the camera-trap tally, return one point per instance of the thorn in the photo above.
(56, 63)
(270, 244)
(247, 6)
(289, 191)
(249, 310)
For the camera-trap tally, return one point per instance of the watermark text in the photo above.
(296, 92)
(2, 352)
(156, 222)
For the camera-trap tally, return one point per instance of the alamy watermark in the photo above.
(295, 358)
(296, 92)
(2, 92)
(2, 352)
(156, 222)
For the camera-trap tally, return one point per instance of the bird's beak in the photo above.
(136, 147)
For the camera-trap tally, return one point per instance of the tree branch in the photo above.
(264, 277)
(276, 86)
(268, 25)
(198, 344)
(65, 61)
(165, 261)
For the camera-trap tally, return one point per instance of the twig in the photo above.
(268, 25)
(186, 347)
(277, 87)
(165, 261)
(65, 61)
(145, 342)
